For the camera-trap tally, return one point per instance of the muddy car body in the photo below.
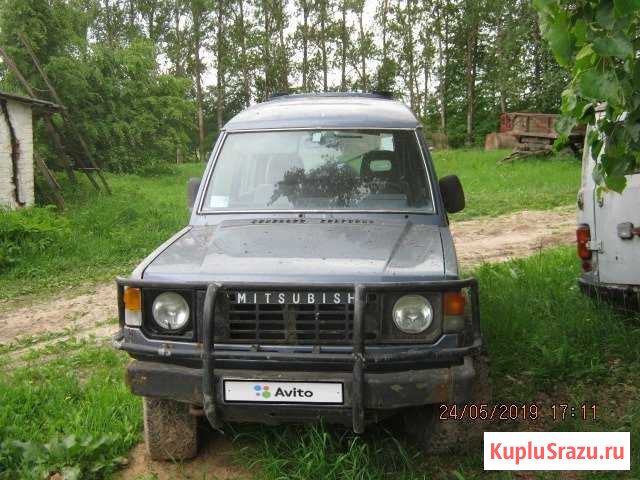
(319, 277)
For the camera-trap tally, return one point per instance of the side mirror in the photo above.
(452, 193)
(193, 185)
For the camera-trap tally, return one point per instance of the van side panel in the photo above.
(619, 259)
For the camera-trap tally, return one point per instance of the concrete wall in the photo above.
(20, 116)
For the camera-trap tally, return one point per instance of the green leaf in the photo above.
(613, 47)
(569, 100)
(604, 15)
(560, 40)
(565, 124)
(586, 57)
(624, 8)
(600, 86)
(579, 31)
(546, 6)
(617, 183)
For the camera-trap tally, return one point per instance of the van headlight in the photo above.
(170, 311)
(412, 314)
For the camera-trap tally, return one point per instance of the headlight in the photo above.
(170, 311)
(412, 314)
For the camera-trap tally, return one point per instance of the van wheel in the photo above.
(434, 436)
(170, 431)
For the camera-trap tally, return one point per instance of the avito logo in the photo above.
(265, 392)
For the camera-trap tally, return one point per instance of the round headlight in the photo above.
(412, 314)
(170, 311)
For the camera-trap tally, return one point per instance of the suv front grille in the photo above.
(295, 324)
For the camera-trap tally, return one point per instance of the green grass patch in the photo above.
(547, 344)
(73, 414)
(97, 236)
(492, 189)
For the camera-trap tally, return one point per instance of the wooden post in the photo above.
(63, 112)
(51, 181)
(48, 124)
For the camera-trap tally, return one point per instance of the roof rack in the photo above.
(375, 94)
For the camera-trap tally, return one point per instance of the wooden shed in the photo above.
(16, 148)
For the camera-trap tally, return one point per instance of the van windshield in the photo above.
(319, 170)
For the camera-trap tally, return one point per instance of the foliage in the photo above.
(29, 232)
(73, 457)
(129, 113)
(552, 346)
(107, 235)
(69, 414)
(492, 189)
(103, 235)
(597, 42)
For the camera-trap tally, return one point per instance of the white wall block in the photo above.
(21, 120)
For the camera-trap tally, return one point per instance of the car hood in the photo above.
(302, 251)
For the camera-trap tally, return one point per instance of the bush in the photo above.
(27, 231)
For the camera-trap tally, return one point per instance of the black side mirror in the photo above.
(193, 185)
(452, 193)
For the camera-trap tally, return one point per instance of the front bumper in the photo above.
(626, 297)
(382, 392)
(435, 374)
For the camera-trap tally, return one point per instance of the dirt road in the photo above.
(482, 240)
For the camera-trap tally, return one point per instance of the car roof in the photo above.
(325, 110)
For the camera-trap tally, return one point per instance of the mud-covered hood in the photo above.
(302, 252)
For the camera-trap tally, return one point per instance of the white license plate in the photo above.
(282, 392)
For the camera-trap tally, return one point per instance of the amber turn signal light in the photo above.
(583, 237)
(132, 299)
(454, 303)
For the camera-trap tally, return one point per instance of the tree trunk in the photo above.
(178, 45)
(410, 54)
(363, 57)
(385, 47)
(245, 66)
(305, 45)
(283, 64)
(268, 81)
(443, 34)
(470, 66)
(197, 20)
(343, 48)
(323, 44)
(220, 65)
(132, 15)
(425, 100)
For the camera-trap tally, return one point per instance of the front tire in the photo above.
(170, 431)
(436, 436)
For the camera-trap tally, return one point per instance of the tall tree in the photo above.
(220, 60)
(305, 8)
(198, 19)
(243, 33)
(322, 8)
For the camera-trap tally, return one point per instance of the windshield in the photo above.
(319, 170)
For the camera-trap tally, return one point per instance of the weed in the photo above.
(492, 189)
(71, 415)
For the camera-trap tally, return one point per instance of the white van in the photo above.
(608, 239)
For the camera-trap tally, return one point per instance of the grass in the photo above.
(492, 189)
(107, 235)
(71, 414)
(547, 344)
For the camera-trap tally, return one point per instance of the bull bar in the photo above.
(359, 357)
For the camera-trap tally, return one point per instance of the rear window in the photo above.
(320, 170)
